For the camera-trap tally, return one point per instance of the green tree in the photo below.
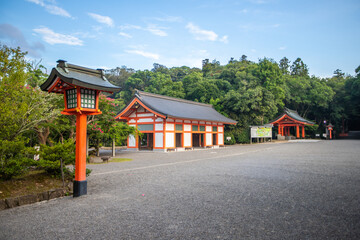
(299, 68)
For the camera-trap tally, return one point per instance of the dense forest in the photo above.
(251, 93)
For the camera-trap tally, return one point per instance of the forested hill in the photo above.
(252, 92)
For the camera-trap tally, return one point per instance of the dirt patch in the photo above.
(34, 182)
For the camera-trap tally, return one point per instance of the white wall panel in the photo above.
(187, 139)
(159, 127)
(187, 127)
(132, 121)
(208, 139)
(145, 120)
(220, 129)
(159, 140)
(170, 127)
(145, 115)
(220, 139)
(208, 128)
(158, 120)
(169, 138)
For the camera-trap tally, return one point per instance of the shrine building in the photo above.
(290, 122)
(168, 123)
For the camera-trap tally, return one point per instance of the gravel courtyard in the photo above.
(295, 190)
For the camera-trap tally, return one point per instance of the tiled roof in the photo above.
(181, 108)
(294, 115)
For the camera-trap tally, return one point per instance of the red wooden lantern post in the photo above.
(330, 128)
(81, 88)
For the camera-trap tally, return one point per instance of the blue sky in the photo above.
(107, 34)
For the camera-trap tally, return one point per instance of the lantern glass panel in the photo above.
(88, 98)
(71, 98)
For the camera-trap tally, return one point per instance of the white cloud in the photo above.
(276, 25)
(152, 28)
(224, 39)
(144, 54)
(201, 34)
(102, 19)
(51, 8)
(129, 26)
(282, 48)
(125, 34)
(52, 37)
(205, 35)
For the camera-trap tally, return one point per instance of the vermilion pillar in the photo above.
(297, 131)
(303, 131)
(80, 183)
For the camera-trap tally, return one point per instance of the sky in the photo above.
(137, 34)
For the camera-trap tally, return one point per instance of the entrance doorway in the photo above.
(214, 139)
(198, 140)
(178, 140)
(146, 142)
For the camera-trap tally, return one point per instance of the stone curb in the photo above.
(33, 198)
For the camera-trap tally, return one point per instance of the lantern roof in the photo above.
(66, 75)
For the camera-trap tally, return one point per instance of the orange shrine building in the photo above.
(290, 122)
(168, 123)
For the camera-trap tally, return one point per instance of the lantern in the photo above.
(81, 88)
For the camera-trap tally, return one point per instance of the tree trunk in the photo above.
(72, 130)
(43, 134)
(113, 146)
(62, 172)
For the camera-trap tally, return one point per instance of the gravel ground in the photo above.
(297, 190)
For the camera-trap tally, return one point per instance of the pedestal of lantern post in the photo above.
(80, 183)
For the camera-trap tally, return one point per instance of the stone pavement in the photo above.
(299, 190)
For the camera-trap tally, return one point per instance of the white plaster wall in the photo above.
(158, 120)
(220, 139)
(170, 139)
(170, 120)
(187, 121)
(220, 129)
(201, 122)
(187, 139)
(208, 128)
(132, 121)
(159, 140)
(145, 120)
(209, 123)
(208, 139)
(145, 114)
(133, 114)
(187, 128)
(159, 127)
(177, 120)
(132, 141)
(169, 126)
(194, 121)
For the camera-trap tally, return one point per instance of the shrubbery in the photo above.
(14, 158)
(51, 157)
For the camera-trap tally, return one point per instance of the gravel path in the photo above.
(298, 190)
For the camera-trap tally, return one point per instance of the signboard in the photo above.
(261, 132)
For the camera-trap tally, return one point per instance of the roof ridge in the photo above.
(172, 98)
(68, 66)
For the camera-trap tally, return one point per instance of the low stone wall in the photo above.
(33, 198)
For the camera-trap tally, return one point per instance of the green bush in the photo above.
(50, 157)
(14, 158)
(242, 135)
(232, 141)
